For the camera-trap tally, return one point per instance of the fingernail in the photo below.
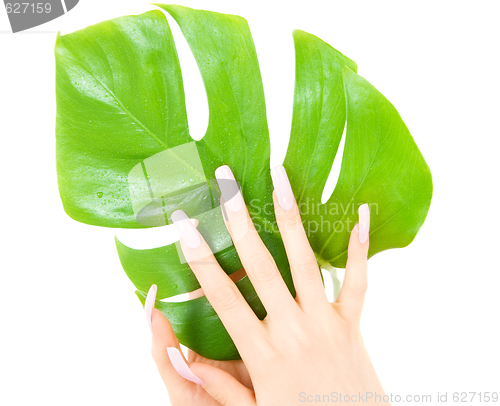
(186, 229)
(282, 187)
(229, 188)
(364, 222)
(149, 304)
(181, 367)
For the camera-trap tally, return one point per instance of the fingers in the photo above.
(352, 295)
(256, 259)
(166, 351)
(219, 289)
(183, 381)
(305, 270)
(223, 387)
(169, 359)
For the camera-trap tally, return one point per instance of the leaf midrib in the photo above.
(243, 134)
(316, 142)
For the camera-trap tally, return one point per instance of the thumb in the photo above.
(222, 386)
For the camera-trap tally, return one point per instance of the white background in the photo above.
(72, 331)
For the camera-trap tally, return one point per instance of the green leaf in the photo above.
(161, 266)
(107, 125)
(120, 103)
(381, 166)
(196, 325)
(319, 115)
(237, 133)
(119, 100)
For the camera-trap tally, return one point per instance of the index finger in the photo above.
(258, 262)
(218, 287)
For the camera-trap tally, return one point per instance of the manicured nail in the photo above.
(181, 367)
(229, 188)
(282, 187)
(186, 229)
(149, 304)
(364, 222)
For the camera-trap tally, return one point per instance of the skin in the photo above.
(304, 345)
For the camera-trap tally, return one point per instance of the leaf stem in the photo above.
(333, 274)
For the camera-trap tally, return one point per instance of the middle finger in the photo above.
(256, 259)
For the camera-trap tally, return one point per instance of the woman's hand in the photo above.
(169, 359)
(305, 349)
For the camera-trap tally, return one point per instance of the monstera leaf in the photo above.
(121, 107)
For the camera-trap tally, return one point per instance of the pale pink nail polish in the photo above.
(181, 367)
(186, 229)
(149, 304)
(364, 222)
(229, 188)
(282, 187)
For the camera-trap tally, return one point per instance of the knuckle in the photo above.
(269, 355)
(201, 261)
(362, 287)
(359, 288)
(297, 342)
(239, 227)
(265, 270)
(219, 396)
(300, 333)
(225, 297)
(307, 268)
(293, 223)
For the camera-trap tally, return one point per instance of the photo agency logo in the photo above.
(24, 15)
